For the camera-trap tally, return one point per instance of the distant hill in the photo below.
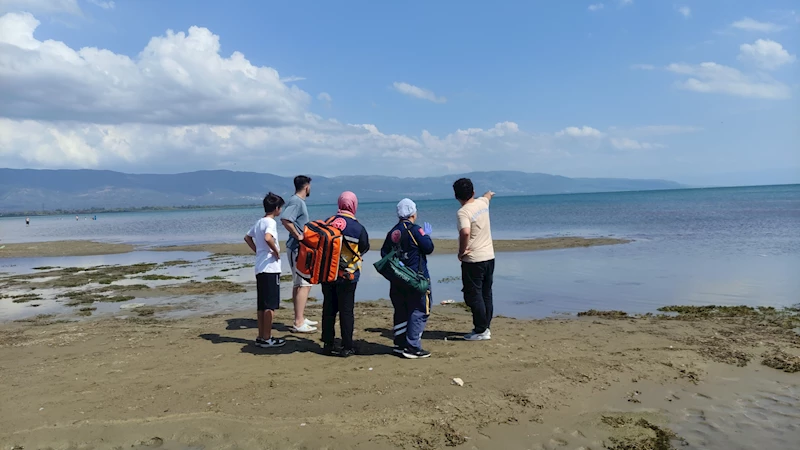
(27, 190)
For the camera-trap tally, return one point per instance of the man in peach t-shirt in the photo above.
(476, 253)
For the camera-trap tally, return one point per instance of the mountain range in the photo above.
(29, 190)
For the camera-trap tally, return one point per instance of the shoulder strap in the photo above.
(411, 234)
(419, 250)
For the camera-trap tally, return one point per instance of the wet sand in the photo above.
(598, 381)
(84, 248)
(62, 248)
(442, 246)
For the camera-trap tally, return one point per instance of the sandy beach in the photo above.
(82, 248)
(603, 380)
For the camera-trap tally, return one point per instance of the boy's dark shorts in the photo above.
(268, 288)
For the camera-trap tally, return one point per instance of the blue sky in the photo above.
(703, 92)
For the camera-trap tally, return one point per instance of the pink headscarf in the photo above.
(348, 203)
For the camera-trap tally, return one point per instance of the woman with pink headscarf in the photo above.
(339, 296)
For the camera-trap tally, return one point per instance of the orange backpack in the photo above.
(320, 252)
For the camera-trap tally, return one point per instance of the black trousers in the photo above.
(338, 298)
(477, 279)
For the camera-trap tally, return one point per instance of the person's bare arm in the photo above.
(272, 245)
(250, 243)
(463, 241)
(488, 195)
(289, 225)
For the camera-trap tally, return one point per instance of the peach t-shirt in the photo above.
(475, 216)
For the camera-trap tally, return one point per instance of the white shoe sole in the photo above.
(308, 331)
(410, 356)
(481, 338)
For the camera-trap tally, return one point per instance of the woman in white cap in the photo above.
(411, 308)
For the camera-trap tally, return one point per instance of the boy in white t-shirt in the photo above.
(263, 240)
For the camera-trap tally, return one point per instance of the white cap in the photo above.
(406, 208)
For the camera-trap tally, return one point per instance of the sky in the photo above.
(700, 92)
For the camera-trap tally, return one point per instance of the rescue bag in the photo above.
(320, 252)
(393, 269)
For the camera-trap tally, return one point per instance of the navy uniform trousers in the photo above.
(411, 312)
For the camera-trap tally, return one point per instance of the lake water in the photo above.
(704, 246)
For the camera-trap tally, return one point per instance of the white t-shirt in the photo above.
(265, 260)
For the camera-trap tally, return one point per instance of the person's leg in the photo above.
(347, 299)
(300, 293)
(329, 309)
(472, 281)
(267, 317)
(272, 301)
(260, 316)
(488, 280)
(398, 297)
(261, 302)
(300, 300)
(420, 305)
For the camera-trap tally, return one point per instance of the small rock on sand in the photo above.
(458, 381)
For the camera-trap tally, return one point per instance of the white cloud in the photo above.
(632, 144)
(766, 54)
(710, 77)
(685, 11)
(179, 78)
(643, 67)
(749, 24)
(596, 7)
(103, 4)
(179, 105)
(292, 79)
(418, 92)
(41, 6)
(144, 147)
(580, 132)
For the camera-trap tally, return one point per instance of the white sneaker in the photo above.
(473, 336)
(305, 328)
(311, 322)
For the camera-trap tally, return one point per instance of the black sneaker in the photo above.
(415, 354)
(397, 350)
(330, 350)
(271, 343)
(347, 352)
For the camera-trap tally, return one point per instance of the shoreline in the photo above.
(442, 246)
(603, 380)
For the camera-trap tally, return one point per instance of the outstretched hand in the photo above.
(427, 228)
(489, 194)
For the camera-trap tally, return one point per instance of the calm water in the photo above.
(710, 246)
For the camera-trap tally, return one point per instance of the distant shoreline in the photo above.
(92, 211)
(443, 246)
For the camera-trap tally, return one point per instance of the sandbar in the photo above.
(62, 248)
(442, 246)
